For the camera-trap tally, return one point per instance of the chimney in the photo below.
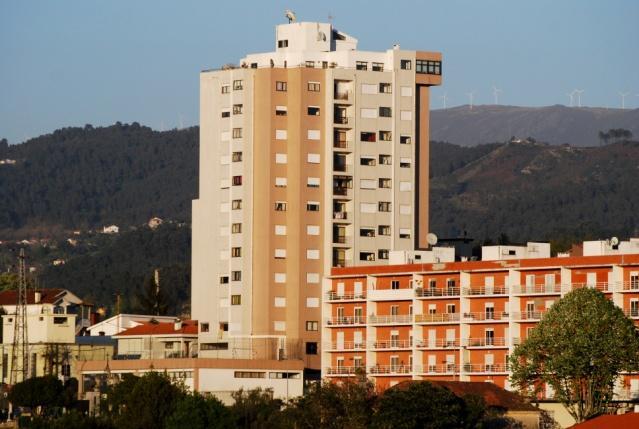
(177, 325)
(37, 297)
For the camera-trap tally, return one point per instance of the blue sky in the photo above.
(68, 63)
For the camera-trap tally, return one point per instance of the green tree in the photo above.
(331, 406)
(199, 412)
(579, 348)
(149, 403)
(8, 281)
(256, 409)
(37, 392)
(425, 405)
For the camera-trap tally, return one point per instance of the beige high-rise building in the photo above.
(312, 156)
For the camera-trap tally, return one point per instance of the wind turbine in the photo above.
(572, 98)
(444, 98)
(496, 92)
(623, 99)
(471, 97)
(579, 92)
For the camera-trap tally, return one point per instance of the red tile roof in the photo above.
(493, 395)
(610, 421)
(49, 296)
(189, 327)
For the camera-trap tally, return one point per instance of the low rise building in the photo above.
(458, 320)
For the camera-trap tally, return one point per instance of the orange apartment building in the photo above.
(461, 320)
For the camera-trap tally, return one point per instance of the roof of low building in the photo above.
(612, 421)
(493, 395)
(188, 327)
(49, 296)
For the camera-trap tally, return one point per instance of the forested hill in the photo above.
(578, 126)
(533, 191)
(79, 178)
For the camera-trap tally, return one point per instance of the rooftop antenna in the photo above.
(496, 92)
(19, 352)
(623, 99)
(330, 18)
(471, 97)
(579, 92)
(444, 99)
(572, 98)
(290, 15)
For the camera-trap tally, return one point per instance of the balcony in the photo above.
(541, 289)
(390, 294)
(344, 370)
(390, 369)
(631, 286)
(340, 215)
(342, 120)
(399, 319)
(439, 343)
(633, 313)
(443, 369)
(484, 316)
(345, 321)
(486, 290)
(342, 144)
(486, 368)
(485, 342)
(342, 95)
(344, 346)
(390, 344)
(437, 318)
(527, 316)
(601, 286)
(437, 293)
(346, 296)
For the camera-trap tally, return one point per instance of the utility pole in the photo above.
(19, 350)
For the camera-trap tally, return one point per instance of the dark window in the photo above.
(280, 86)
(59, 320)
(226, 114)
(236, 228)
(237, 133)
(366, 136)
(237, 109)
(236, 252)
(310, 64)
(378, 66)
(314, 86)
(405, 64)
(224, 280)
(237, 180)
(204, 327)
(385, 112)
(313, 111)
(385, 88)
(282, 43)
(428, 67)
(236, 299)
(236, 205)
(236, 276)
(312, 325)
(237, 156)
(214, 346)
(311, 348)
(384, 206)
(382, 254)
(238, 84)
(404, 139)
(361, 65)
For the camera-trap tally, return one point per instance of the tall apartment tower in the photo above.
(312, 156)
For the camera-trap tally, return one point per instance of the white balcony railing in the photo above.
(527, 315)
(486, 290)
(436, 293)
(485, 368)
(346, 320)
(632, 313)
(399, 319)
(390, 369)
(344, 346)
(485, 316)
(390, 344)
(540, 289)
(346, 296)
(437, 318)
(449, 368)
(486, 342)
(439, 343)
(344, 370)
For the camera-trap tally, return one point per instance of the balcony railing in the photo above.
(602, 286)
(527, 315)
(449, 368)
(390, 369)
(439, 343)
(632, 313)
(346, 296)
(485, 316)
(350, 320)
(340, 190)
(340, 215)
(342, 95)
(344, 370)
(437, 318)
(536, 289)
(340, 120)
(485, 368)
(486, 342)
(391, 319)
(433, 292)
(341, 144)
(486, 290)
(631, 286)
(344, 345)
(390, 344)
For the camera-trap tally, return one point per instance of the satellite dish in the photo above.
(614, 241)
(290, 15)
(431, 239)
